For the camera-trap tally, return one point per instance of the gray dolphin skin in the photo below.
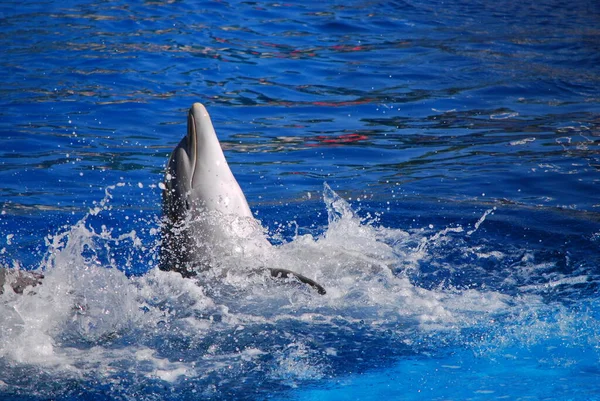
(199, 191)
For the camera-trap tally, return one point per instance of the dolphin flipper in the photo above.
(284, 273)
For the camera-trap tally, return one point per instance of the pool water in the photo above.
(434, 165)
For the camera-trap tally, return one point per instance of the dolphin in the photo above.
(205, 211)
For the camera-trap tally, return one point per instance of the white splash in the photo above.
(89, 320)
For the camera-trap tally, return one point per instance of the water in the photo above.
(434, 165)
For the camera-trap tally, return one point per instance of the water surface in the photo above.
(435, 165)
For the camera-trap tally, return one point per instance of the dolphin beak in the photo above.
(202, 147)
(192, 143)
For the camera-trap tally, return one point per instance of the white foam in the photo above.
(89, 319)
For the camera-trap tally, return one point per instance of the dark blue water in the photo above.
(463, 136)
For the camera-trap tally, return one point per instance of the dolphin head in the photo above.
(198, 178)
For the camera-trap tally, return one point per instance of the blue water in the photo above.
(435, 165)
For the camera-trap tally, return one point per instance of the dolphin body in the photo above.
(206, 213)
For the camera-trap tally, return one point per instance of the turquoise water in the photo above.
(434, 165)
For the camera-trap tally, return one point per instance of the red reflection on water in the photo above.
(336, 139)
(347, 48)
(345, 103)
